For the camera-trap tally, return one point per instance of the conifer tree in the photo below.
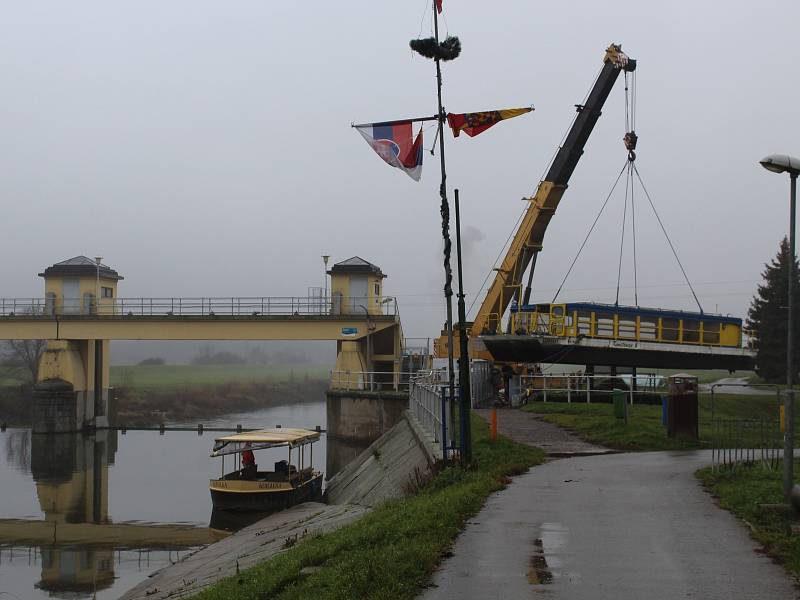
(767, 318)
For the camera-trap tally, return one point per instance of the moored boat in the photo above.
(249, 489)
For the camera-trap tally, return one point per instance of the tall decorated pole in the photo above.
(447, 50)
(395, 143)
(444, 209)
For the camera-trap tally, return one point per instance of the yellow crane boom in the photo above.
(529, 237)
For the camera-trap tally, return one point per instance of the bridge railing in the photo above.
(374, 381)
(23, 307)
(200, 306)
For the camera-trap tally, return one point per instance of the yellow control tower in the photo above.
(356, 287)
(80, 285)
(73, 374)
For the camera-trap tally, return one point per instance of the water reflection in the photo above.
(71, 477)
(95, 515)
(75, 542)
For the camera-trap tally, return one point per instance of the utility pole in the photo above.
(463, 361)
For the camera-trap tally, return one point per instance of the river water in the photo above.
(76, 511)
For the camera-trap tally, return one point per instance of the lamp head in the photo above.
(97, 260)
(781, 163)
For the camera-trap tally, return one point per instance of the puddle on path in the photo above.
(538, 570)
(545, 564)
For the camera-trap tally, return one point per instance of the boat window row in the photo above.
(557, 320)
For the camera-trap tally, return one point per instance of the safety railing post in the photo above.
(569, 389)
(588, 389)
(544, 389)
(444, 424)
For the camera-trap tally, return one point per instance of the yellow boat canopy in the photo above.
(264, 438)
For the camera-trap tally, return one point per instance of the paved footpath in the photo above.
(616, 527)
(527, 428)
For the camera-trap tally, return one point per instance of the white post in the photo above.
(544, 387)
(588, 389)
(569, 389)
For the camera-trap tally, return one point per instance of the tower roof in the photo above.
(356, 264)
(80, 266)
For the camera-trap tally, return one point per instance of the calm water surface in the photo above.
(72, 488)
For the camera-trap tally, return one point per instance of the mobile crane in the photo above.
(528, 239)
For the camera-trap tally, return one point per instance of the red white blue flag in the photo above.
(395, 144)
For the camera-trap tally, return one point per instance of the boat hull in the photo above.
(267, 500)
(621, 353)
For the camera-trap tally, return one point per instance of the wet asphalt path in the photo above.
(615, 527)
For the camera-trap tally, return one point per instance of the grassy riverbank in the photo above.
(391, 552)
(147, 395)
(193, 377)
(596, 422)
(143, 408)
(741, 492)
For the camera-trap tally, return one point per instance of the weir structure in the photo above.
(81, 313)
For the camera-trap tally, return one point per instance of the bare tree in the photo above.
(24, 354)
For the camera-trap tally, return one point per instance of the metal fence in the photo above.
(194, 307)
(580, 388)
(737, 442)
(480, 379)
(429, 403)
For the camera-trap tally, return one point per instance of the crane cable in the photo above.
(666, 235)
(541, 178)
(624, 218)
(630, 140)
(591, 229)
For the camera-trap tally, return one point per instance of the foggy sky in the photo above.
(204, 148)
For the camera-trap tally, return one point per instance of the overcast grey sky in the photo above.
(205, 148)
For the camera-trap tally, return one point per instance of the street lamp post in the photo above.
(325, 258)
(97, 261)
(781, 163)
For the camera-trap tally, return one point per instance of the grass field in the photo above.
(712, 376)
(392, 551)
(187, 377)
(596, 422)
(13, 376)
(742, 492)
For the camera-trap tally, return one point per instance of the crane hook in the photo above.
(630, 140)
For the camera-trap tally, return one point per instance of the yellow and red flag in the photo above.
(474, 123)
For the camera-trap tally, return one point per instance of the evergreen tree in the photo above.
(767, 318)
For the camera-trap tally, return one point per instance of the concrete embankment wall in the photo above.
(362, 415)
(390, 468)
(246, 548)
